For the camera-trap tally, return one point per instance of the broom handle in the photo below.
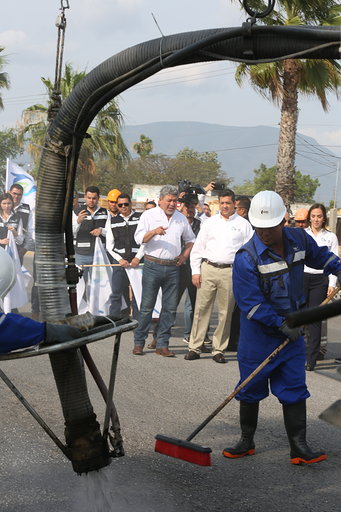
(250, 377)
(241, 386)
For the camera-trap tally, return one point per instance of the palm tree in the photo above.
(105, 138)
(281, 82)
(144, 147)
(4, 80)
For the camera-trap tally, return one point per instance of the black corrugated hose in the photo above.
(250, 44)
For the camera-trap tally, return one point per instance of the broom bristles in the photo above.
(184, 450)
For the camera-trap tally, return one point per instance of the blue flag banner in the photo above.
(16, 174)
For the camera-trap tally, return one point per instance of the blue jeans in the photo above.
(154, 277)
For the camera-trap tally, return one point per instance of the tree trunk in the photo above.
(287, 134)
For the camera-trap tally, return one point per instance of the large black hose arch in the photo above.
(67, 131)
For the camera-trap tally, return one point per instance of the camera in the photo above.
(219, 185)
(191, 191)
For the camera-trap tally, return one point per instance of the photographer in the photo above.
(196, 194)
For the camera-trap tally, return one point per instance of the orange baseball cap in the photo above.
(113, 194)
(301, 214)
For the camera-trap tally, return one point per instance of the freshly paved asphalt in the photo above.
(169, 396)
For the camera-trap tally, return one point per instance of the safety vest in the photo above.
(281, 279)
(13, 222)
(23, 211)
(123, 232)
(85, 243)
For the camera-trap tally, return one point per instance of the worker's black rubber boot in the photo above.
(248, 415)
(295, 421)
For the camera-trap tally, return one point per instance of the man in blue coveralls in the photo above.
(17, 331)
(268, 284)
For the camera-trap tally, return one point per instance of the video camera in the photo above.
(218, 185)
(191, 191)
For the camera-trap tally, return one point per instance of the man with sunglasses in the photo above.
(125, 252)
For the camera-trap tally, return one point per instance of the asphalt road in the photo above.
(169, 396)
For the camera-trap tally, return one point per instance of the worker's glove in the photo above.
(291, 332)
(57, 333)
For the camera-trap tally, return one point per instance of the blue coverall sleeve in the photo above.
(19, 332)
(248, 293)
(320, 257)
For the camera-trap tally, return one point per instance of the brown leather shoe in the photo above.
(219, 358)
(164, 352)
(138, 350)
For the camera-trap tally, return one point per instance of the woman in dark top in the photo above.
(9, 221)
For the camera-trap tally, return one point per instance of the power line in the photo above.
(162, 83)
(314, 160)
(319, 154)
(313, 145)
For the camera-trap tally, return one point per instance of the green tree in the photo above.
(281, 82)
(105, 136)
(191, 165)
(144, 147)
(304, 186)
(9, 148)
(4, 79)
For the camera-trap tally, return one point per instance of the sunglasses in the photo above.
(120, 205)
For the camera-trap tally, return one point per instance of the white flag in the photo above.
(100, 282)
(82, 306)
(16, 174)
(17, 296)
(135, 278)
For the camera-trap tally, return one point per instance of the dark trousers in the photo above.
(315, 289)
(119, 288)
(186, 284)
(234, 332)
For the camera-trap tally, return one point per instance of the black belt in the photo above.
(160, 261)
(218, 265)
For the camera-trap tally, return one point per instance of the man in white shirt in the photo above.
(212, 257)
(161, 230)
(24, 212)
(88, 223)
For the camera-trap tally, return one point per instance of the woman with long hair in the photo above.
(9, 221)
(317, 286)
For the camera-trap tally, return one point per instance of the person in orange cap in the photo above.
(112, 201)
(301, 218)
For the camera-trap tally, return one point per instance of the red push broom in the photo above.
(191, 452)
(200, 455)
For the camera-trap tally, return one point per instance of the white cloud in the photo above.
(10, 38)
(323, 137)
(188, 75)
(129, 4)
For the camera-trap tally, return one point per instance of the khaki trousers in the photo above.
(216, 283)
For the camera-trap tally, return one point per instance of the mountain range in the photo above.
(240, 149)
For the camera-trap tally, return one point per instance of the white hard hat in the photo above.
(267, 209)
(7, 273)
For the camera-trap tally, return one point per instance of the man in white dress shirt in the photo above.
(212, 256)
(161, 229)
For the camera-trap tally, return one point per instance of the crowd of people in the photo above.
(196, 262)
(185, 251)
(246, 258)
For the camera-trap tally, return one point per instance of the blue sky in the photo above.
(97, 29)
